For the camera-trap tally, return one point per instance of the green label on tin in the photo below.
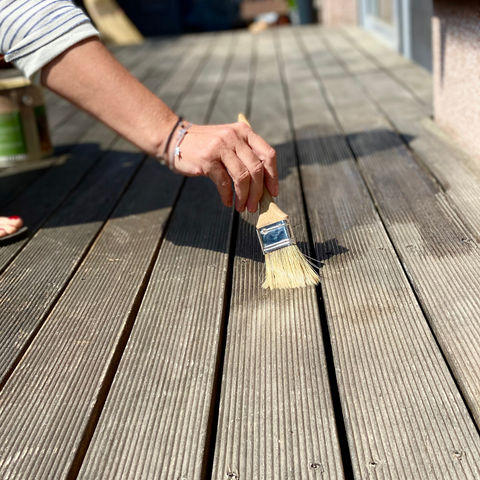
(12, 142)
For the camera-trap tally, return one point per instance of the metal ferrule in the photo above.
(275, 236)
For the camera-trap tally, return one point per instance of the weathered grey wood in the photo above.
(60, 272)
(13, 180)
(325, 63)
(450, 166)
(403, 413)
(50, 190)
(17, 179)
(353, 60)
(191, 64)
(418, 80)
(390, 96)
(276, 417)
(232, 98)
(31, 284)
(458, 174)
(163, 393)
(405, 72)
(379, 52)
(438, 252)
(161, 65)
(207, 81)
(49, 405)
(42, 198)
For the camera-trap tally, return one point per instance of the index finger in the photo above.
(268, 157)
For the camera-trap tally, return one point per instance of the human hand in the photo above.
(227, 153)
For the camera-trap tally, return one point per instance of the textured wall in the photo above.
(339, 12)
(456, 58)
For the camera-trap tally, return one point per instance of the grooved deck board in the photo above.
(379, 52)
(29, 287)
(403, 413)
(119, 354)
(437, 250)
(407, 73)
(353, 60)
(57, 390)
(191, 64)
(195, 103)
(232, 98)
(276, 417)
(146, 63)
(458, 174)
(164, 388)
(16, 180)
(324, 62)
(80, 217)
(52, 188)
(445, 223)
(46, 195)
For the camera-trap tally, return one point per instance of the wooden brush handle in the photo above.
(269, 211)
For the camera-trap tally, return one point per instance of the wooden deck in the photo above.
(135, 340)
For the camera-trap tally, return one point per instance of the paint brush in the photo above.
(285, 265)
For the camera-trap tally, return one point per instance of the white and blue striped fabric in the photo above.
(34, 32)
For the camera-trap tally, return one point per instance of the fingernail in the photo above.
(15, 217)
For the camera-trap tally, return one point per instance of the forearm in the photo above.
(90, 77)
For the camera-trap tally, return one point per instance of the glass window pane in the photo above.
(382, 9)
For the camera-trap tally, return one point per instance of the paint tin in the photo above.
(24, 134)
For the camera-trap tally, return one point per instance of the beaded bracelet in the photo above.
(162, 157)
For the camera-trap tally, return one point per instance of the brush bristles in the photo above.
(288, 268)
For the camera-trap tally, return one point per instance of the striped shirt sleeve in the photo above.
(34, 32)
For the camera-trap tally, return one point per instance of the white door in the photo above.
(383, 18)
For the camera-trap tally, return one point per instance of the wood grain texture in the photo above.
(438, 252)
(324, 63)
(458, 174)
(50, 403)
(405, 72)
(47, 194)
(163, 393)
(31, 284)
(82, 151)
(276, 417)
(190, 66)
(232, 98)
(444, 222)
(149, 64)
(403, 413)
(354, 61)
(16, 180)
